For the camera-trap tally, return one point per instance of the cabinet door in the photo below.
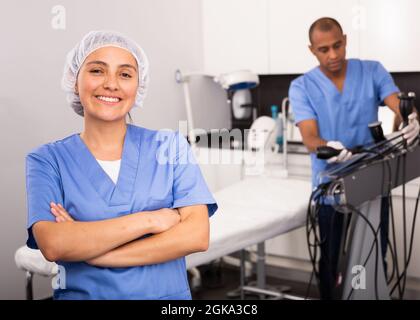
(391, 34)
(235, 35)
(289, 22)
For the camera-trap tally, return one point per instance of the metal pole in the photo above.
(242, 272)
(191, 134)
(29, 291)
(261, 267)
(284, 119)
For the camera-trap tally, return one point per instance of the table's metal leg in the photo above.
(261, 267)
(242, 271)
(29, 291)
(261, 287)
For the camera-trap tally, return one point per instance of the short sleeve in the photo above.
(299, 102)
(189, 186)
(42, 186)
(384, 83)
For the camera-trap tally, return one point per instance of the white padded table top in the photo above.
(252, 211)
(32, 260)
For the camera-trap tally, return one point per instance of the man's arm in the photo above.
(310, 135)
(393, 102)
(81, 241)
(189, 236)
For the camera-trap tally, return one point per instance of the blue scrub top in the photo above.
(342, 116)
(157, 171)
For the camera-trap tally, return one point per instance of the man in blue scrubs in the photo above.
(333, 105)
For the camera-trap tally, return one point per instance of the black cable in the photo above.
(381, 154)
(407, 261)
(402, 277)
(375, 234)
(411, 239)
(396, 248)
(391, 206)
(394, 253)
(391, 213)
(388, 150)
(407, 255)
(393, 263)
(309, 285)
(310, 222)
(389, 199)
(375, 243)
(404, 224)
(413, 226)
(308, 231)
(382, 143)
(312, 258)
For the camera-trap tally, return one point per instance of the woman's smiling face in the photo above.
(107, 84)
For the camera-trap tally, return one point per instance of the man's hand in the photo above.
(344, 154)
(411, 131)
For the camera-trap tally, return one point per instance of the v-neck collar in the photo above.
(113, 194)
(332, 85)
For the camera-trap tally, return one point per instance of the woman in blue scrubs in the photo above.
(118, 207)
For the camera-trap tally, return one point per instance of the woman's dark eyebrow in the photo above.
(126, 65)
(97, 62)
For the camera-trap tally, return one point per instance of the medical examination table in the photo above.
(251, 211)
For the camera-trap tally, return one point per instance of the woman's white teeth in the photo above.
(108, 99)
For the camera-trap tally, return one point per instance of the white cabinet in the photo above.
(235, 35)
(289, 22)
(391, 33)
(271, 36)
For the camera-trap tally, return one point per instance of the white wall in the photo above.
(32, 106)
(393, 41)
(289, 23)
(271, 36)
(235, 35)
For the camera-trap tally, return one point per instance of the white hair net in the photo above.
(91, 42)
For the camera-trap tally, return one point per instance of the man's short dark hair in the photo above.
(324, 24)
